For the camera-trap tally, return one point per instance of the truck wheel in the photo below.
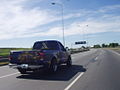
(69, 62)
(53, 66)
(22, 71)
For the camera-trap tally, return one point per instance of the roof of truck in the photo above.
(49, 41)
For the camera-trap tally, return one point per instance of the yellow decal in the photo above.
(28, 56)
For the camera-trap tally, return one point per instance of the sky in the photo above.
(23, 22)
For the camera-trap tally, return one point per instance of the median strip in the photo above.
(71, 84)
(3, 63)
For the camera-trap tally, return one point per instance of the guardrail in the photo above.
(78, 51)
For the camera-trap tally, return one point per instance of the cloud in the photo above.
(16, 21)
(109, 8)
(85, 27)
(99, 24)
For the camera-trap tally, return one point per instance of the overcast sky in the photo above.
(22, 22)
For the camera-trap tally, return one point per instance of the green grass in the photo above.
(117, 48)
(4, 52)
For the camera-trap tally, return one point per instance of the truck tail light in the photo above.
(10, 58)
(42, 56)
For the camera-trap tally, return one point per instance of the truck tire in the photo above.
(53, 66)
(69, 62)
(22, 71)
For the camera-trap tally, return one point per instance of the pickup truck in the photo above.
(48, 55)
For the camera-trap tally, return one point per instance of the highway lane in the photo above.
(92, 70)
(103, 74)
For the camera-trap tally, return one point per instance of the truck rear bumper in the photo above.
(25, 66)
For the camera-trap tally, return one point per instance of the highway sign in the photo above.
(80, 42)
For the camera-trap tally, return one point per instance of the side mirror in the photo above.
(67, 48)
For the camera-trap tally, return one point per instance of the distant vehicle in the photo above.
(85, 48)
(47, 54)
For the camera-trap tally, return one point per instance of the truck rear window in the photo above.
(46, 45)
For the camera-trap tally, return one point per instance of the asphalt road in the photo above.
(91, 70)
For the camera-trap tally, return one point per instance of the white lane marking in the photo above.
(70, 85)
(8, 75)
(115, 53)
(96, 58)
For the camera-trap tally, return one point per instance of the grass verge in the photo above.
(4, 63)
(4, 52)
(115, 49)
